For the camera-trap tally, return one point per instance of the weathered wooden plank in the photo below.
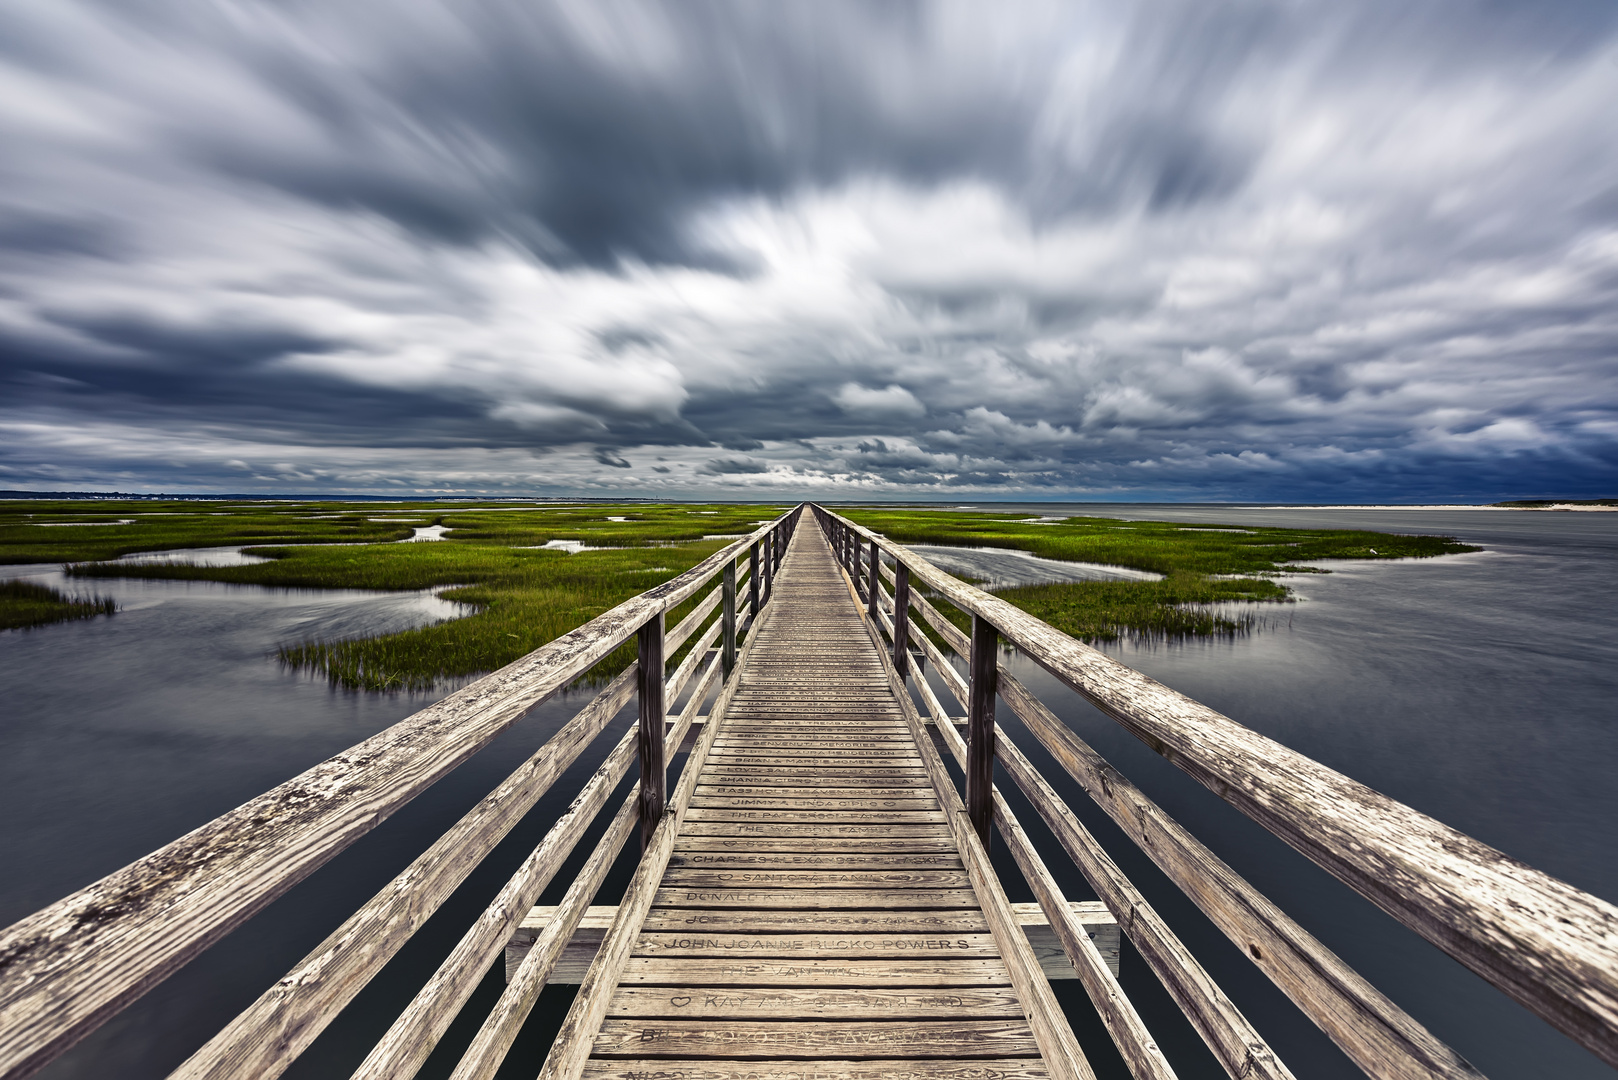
(1099, 925)
(794, 738)
(816, 751)
(883, 777)
(847, 946)
(805, 815)
(911, 845)
(722, 1004)
(893, 921)
(800, 1069)
(681, 896)
(739, 1038)
(798, 970)
(732, 803)
(819, 831)
(810, 859)
(811, 768)
(814, 879)
(828, 791)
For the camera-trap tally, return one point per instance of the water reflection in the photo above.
(1006, 567)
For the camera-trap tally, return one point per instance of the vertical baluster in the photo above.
(980, 727)
(769, 567)
(752, 580)
(653, 775)
(873, 583)
(728, 654)
(901, 619)
(855, 564)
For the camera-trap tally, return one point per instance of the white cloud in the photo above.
(891, 400)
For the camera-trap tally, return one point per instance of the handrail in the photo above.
(1549, 945)
(71, 966)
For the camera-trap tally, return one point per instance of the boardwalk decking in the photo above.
(815, 906)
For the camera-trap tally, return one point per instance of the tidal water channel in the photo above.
(1479, 688)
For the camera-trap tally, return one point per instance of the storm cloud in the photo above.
(1234, 250)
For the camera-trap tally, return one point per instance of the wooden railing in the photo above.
(68, 968)
(1547, 944)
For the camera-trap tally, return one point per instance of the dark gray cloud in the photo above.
(1226, 250)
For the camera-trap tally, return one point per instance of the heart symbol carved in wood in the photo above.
(679, 1002)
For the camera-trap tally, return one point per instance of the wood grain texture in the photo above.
(741, 1038)
(1096, 923)
(799, 1069)
(820, 1003)
(835, 971)
(1549, 945)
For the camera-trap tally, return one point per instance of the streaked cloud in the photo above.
(1230, 250)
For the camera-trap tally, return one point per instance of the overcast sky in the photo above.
(1199, 250)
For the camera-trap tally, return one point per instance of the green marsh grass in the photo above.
(522, 596)
(24, 604)
(1205, 566)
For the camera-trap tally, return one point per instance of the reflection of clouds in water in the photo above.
(77, 524)
(429, 532)
(214, 556)
(572, 547)
(347, 616)
(1005, 567)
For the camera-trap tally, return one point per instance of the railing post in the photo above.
(752, 580)
(727, 655)
(854, 560)
(649, 679)
(769, 567)
(901, 619)
(873, 583)
(985, 675)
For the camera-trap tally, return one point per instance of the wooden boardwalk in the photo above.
(815, 905)
(814, 899)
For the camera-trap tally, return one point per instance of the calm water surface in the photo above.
(1481, 689)
(119, 734)
(1477, 688)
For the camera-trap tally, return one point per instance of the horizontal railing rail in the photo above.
(1549, 945)
(71, 966)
